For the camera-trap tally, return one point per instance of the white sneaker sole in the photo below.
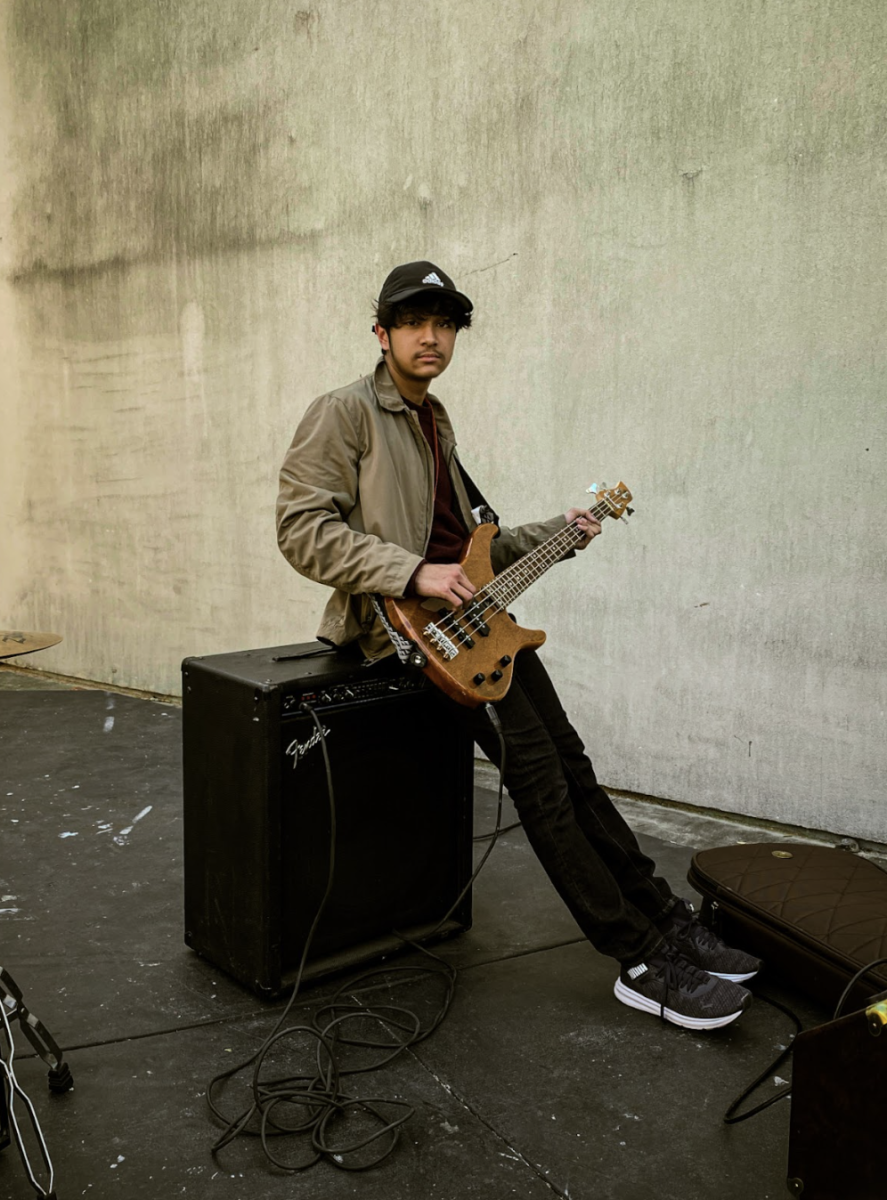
(645, 1004)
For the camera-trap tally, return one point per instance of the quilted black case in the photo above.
(816, 915)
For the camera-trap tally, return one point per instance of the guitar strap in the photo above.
(480, 510)
(402, 645)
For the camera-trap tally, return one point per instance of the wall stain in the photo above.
(491, 267)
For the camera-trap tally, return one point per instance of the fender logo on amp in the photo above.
(297, 750)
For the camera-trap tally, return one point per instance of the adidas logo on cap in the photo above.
(434, 278)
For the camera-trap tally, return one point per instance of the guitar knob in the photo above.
(496, 676)
(479, 677)
(505, 660)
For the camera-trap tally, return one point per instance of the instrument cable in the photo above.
(315, 1102)
(729, 1117)
(311, 1105)
(12, 1007)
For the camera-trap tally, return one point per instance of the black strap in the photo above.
(484, 512)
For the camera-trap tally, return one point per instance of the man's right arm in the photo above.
(318, 492)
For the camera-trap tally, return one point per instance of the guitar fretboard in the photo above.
(510, 583)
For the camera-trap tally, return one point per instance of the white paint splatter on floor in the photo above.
(122, 838)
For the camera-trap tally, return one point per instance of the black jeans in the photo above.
(589, 853)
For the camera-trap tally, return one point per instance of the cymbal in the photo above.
(13, 642)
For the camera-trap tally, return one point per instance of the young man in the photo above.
(373, 501)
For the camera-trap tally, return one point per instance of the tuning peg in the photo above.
(595, 488)
(626, 515)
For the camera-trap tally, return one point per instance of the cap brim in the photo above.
(408, 293)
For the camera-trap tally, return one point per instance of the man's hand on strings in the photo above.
(446, 581)
(586, 522)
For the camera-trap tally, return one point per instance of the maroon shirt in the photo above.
(448, 534)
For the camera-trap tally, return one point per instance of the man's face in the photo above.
(420, 347)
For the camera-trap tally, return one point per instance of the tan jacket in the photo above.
(356, 504)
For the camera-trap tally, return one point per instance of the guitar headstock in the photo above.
(611, 502)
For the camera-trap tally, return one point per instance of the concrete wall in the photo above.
(670, 217)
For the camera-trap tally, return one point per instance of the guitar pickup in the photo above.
(476, 622)
(462, 635)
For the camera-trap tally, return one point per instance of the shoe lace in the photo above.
(695, 931)
(677, 972)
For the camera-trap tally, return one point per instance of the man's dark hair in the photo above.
(389, 316)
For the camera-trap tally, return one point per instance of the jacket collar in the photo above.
(389, 396)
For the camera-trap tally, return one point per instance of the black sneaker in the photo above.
(667, 985)
(705, 949)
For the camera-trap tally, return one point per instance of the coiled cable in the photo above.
(309, 1104)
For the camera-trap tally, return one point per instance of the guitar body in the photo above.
(469, 651)
(491, 654)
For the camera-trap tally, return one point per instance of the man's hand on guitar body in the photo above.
(445, 581)
(586, 521)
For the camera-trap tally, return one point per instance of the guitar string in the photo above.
(491, 600)
(501, 591)
(514, 580)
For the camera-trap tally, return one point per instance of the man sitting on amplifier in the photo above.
(374, 502)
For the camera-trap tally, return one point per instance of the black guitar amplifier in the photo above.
(839, 1096)
(257, 823)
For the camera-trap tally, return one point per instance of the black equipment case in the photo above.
(839, 1096)
(257, 825)
(814, 914)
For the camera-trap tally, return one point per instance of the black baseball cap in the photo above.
(413, 278)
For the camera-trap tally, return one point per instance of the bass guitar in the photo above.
(469, 651)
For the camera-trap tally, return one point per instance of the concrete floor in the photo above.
(538, 1083)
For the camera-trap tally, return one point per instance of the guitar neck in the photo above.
(514, 580)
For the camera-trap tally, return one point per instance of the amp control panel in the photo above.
(354, 691)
